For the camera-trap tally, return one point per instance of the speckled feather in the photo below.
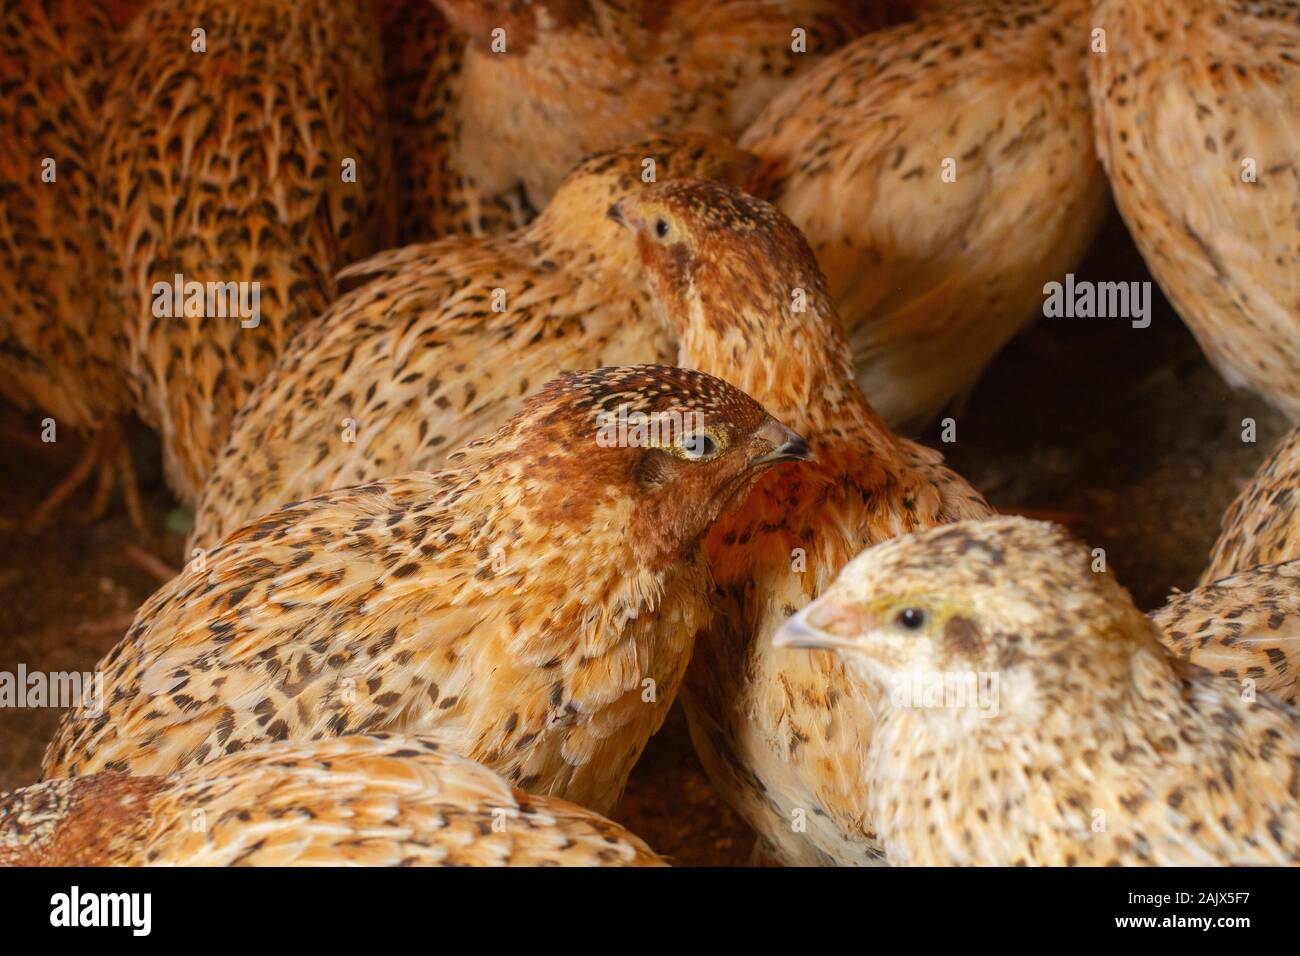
(437, 196)
(419, 360)
(1243, 619)
(56, 346)
(1242, 627)
(932, 278)
(383, 800)
(1097, 748)
(514, 604)
(777, 730)
(1262, 525)
(1174, 132)
(578, 77)
(226, 166)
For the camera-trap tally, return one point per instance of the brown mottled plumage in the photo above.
(532, 605)
(54, 353)
(1262, 526)
(383, 800)
(427, 354)
(227, 166)
(778, 731)
(578, 76)
(56, 342)
(1245, 627)
(1243, 619)
(1177, 134)
(1027, 714)
(437, 197)
(932, 278)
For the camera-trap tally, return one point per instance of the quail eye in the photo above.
(911, 619)
(699, 446)
(661, 228)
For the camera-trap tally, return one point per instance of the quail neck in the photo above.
(807, 376)
(574, 233)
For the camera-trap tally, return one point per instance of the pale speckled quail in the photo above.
(382, 800)
(933, 277)
(1026, 713)
(532, 605)
(1196, 105)
(779, 733)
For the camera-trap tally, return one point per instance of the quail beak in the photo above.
(822, 625)
(615, 212)
(786, 445)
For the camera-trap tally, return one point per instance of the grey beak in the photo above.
(616, 214)
(786, 445)
(796, 632)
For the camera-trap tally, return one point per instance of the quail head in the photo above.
(1027, 713)
(532, 605)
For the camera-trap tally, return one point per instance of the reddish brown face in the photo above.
(707, 243)
(684, 487)
(670, 449)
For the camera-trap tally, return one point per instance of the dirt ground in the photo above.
(1126, 434)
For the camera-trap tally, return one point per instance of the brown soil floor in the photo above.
(1126, 434)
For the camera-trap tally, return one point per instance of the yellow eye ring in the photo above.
(700, 445)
